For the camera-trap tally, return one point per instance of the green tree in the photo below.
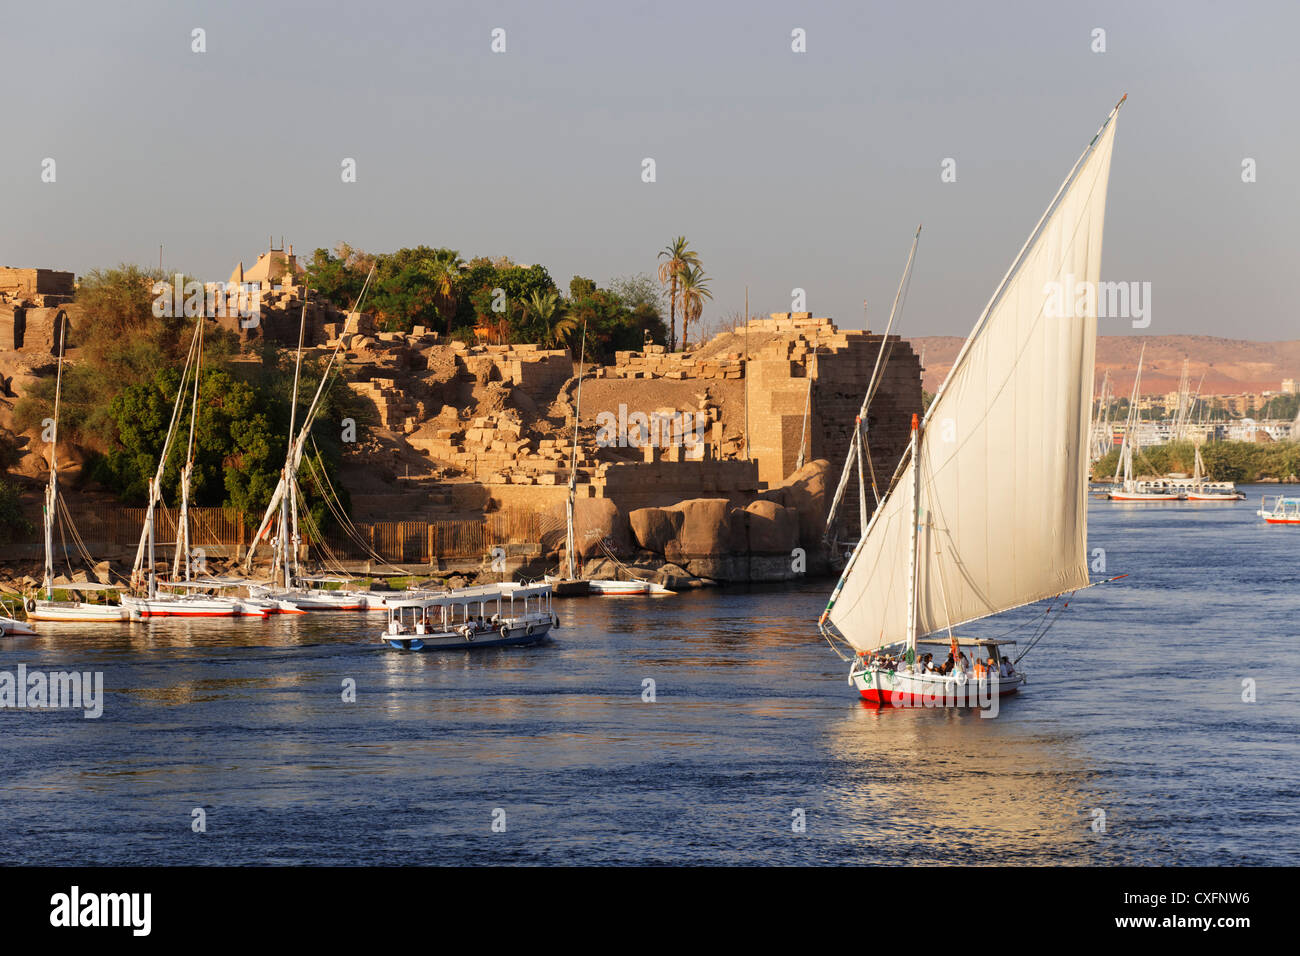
(13, 521)
(240, 440)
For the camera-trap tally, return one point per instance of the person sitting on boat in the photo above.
(478, 623)
(1007, 669)
(979, 669)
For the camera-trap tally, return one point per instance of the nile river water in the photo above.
(1134, 709)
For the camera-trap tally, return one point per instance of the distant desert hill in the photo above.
(1229, 365)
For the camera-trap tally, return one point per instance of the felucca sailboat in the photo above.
(1124, 487)
(47, 608)
(987, 510)
(165, 603)
(1204, 489)
(288, 585)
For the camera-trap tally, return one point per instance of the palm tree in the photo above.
(543, 307)
(443, 267)
(693, 288)
(676, 258)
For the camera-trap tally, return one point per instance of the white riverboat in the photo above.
(493, 615)
(1283, 509)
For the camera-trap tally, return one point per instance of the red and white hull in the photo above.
(1284, 510)
(140, 608)
(888, 688)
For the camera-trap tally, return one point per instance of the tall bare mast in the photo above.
(52, 491)
(183, 518)
(290, 541)
(857, 446)
(570, 541)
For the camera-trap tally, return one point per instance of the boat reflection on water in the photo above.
(923, 786)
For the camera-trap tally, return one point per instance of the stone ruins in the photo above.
(728, 446)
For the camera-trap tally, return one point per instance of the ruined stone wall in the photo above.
(537, 372)
(32, 329)
(30, 283)
(657, 362)
(798, 348)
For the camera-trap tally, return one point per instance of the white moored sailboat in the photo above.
(988, 508)
(287, 583)
(155, 603)
(47, 608)
(1124, 486)
(1203, 489)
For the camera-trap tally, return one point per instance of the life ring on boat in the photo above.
(467, 632)
(504, 631)
(30, 605)
(529, 630)
(555, 619)
(2, 630)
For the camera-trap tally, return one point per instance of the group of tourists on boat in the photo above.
(475, 625)
(956, 664)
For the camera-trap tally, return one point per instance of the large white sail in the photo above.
(1002, 495)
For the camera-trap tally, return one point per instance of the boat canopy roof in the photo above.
(475, 595)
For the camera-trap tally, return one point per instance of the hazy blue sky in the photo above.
(783, 169)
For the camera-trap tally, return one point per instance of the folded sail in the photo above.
(1004, 447)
